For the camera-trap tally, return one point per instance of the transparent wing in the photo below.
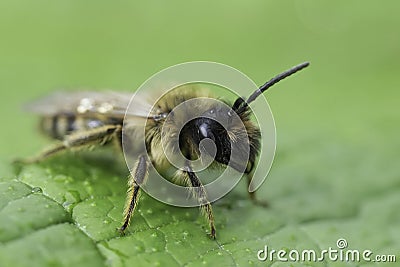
(89, 103)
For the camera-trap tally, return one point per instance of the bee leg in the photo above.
(118, 141)
(200, 193)
(96, 136)
(134, 183)
(252, 195)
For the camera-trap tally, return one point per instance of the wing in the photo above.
(91, 103)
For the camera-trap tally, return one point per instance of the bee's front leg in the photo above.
(135, 181)
(200, 193)
(93, 137)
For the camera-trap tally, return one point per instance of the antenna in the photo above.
(276, 79)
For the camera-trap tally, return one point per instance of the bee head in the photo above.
(207, 128)
(232, 139)
(213, 134)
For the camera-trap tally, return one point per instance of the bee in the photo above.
(87, 119)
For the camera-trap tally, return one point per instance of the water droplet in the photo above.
(72, 196)
(93, 204)
(149, 211)
(10, 188)
(251, 262)
(233, 238)
(47, 206)
(204, 262)
(37, 190)
(247, 250)
(106, 221)
(219, 253)
(154, 249)
(154, 234)
(66, 204)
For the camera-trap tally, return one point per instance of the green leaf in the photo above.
(57, 245)
(66, 210)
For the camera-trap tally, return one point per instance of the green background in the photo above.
(336, 171)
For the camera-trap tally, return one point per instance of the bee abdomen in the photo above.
(60, 125)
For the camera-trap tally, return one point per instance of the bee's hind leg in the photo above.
(80, 139)
(135, 181)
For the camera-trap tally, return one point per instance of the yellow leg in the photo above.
(96, 136)
(200, 193)
(134, 183)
